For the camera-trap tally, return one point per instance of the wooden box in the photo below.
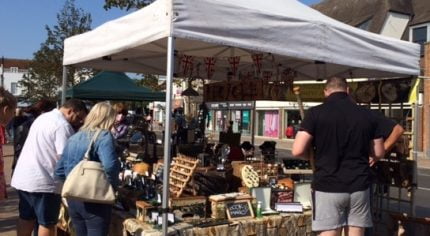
(218, 203)
(192, 206)
(142, 209)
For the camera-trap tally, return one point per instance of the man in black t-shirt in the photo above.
(343, 136)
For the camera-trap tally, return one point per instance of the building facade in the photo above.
(406, 20)
(12, 71)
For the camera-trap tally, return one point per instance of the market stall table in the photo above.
(282, 224)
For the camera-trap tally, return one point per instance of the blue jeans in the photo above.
(90, 219)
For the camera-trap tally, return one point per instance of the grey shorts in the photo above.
(336, 210)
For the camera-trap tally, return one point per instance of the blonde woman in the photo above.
(92, 218)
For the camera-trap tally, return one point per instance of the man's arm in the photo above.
(301, 145)
(376, 150)
(394, 136)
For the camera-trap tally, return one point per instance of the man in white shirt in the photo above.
(39, 198)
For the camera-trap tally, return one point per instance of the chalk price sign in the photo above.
(239, 209)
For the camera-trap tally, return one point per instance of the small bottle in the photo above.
(259, 213)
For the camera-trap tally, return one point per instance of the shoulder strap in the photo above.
(93, 140)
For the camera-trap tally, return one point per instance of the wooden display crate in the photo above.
(195, 205)
(218, 203)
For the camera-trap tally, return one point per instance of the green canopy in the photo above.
(108, 85)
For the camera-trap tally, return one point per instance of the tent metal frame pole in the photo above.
(167, 130)
(64, 85)
(254, 116)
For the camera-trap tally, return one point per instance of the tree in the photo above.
(151, 81)
(45, 75)
(126, 4)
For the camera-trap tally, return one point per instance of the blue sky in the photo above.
(22, 22)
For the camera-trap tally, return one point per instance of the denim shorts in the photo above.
(336, 210)
(42, 207)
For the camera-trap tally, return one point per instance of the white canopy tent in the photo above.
(290, 34)
(295, 34)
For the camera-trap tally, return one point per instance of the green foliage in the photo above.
(45, 76)
(151, 82)
(126, 4)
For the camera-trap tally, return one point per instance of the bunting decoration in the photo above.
(258, 61)
(267, 75)
(210, 66)
(288, 76)
(187, 64)
(234, 64)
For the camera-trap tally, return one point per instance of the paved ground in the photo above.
(9, 207)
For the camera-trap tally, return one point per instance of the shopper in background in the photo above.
(289, 132)
(92, 219)
(39, 198)
(23, 122)
(120, 127)
(7, 111)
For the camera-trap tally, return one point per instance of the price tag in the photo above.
(171, 218)
(154, 216)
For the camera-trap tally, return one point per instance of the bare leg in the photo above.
(24, 227)
(46, 230)
(335, 232)
(354, 231)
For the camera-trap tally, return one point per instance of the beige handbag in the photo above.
(88, 182)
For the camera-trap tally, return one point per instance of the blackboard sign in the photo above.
(239, 209)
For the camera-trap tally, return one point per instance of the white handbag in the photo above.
(88, 182)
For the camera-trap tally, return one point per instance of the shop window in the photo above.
(246, 122)
(13, 88)
(365, 24)
(268, 124)
(13, 69)
(420, 34)
(220, 120)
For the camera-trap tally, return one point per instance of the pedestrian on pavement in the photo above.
(343, 136)
(7, 111)
(22, 124)
(92, 219)
(38, 191)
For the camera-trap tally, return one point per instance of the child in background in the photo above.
(7, 111)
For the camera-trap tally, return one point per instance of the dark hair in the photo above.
(43, 105)
(76, 105)
(7, 99)
(336, 83)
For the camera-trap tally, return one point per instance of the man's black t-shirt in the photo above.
(385, 125)
(342, 132)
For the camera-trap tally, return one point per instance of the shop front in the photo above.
(222, 112)
(268, 123)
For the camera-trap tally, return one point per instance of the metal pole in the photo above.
(64, 86)
(167, 130)
(253, 123)
(416, 128)
(2, 71)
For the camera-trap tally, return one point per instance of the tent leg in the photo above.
(254, 116)
(64, 85)
(167, 130)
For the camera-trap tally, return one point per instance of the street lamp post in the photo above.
(2, 71)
